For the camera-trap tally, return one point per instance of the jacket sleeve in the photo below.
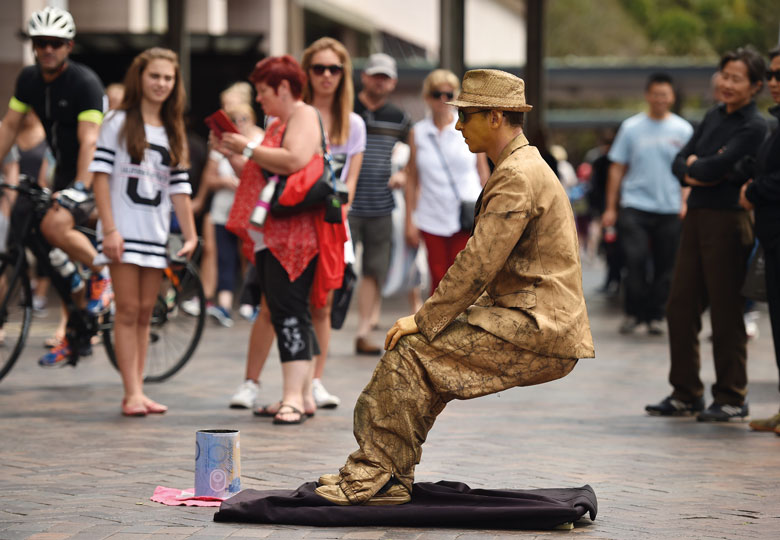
(719, 166)
(504, 214)
(679, 167)
(765, 189)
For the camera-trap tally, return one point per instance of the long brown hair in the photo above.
(171, 113)
(344, 101)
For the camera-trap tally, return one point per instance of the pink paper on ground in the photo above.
(178, 497)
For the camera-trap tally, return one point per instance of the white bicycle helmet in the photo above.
(52, 22)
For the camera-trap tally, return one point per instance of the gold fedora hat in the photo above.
(492, 89)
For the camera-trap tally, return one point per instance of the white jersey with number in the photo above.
(140, 192)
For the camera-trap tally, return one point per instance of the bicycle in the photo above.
(174, 334)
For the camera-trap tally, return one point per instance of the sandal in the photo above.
(279, 422)
(270, 411)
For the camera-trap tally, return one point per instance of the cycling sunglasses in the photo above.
(437, 94)
(773, 75)
(42, 43)
(333, 69)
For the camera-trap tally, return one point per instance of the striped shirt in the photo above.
(384, 127)
(140, 192)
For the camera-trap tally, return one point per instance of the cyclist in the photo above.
(68, 98)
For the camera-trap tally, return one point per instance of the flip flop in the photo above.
(301, 416)
(266, 410)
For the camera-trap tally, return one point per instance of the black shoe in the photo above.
(674, 407)
(724, 413)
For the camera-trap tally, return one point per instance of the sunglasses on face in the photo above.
(437, 94)
(42, 43)
(773, 75)
(333, 69)
(463, 116)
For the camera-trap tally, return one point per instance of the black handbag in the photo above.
(754, 286)
(467, 208)
(327, 190)
(342, 297)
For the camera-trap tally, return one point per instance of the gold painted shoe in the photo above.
(329, 480)
(766, 424)
(395, 494)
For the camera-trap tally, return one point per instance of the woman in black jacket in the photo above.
(762, 194)
(715, 243)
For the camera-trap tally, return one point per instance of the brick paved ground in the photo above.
(72, 468)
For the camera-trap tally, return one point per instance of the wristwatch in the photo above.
(249, 149)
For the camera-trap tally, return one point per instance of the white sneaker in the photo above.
(751, 324)
(245, 395)
(191, 307)
(248, 312)
(322, 398)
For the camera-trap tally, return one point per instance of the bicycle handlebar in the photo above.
(31, 189)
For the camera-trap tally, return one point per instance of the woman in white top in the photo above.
(442, 172)
(140, 173)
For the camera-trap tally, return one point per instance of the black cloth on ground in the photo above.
(440, 504)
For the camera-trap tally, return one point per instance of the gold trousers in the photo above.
(414, 382)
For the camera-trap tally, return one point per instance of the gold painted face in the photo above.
(474, 125)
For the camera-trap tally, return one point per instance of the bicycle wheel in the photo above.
(175, 333)
(15, 311)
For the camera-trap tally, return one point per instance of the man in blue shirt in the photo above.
(651, 203)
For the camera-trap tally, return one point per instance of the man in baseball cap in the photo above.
(509, 311)
(370, 214)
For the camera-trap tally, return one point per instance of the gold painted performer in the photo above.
(509, 311)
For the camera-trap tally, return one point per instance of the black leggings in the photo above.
(288, 302)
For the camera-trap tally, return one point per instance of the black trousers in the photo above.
(709, 272)
(772, 268)
(288, 302)
(649, 242)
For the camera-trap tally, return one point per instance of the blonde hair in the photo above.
(242, 89)
(438, 77)
(344, 101)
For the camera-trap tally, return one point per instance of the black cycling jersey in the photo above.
(76, 94)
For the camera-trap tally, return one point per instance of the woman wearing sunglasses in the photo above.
(330, 90)
(762, 195)
(441, 173)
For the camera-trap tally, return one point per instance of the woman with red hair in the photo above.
(291, 253)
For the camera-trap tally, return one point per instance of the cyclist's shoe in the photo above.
(101, 294)
(57, 357)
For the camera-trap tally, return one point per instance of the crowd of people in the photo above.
(674, 206)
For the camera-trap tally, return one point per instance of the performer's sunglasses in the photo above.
(463, 116)
(437, 94)
(42, 43)
(333, 69)
(773, 75)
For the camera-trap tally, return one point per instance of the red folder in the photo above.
(220, 123)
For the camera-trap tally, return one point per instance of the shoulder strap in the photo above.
(444, 164)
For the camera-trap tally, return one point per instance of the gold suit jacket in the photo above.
(519, 276)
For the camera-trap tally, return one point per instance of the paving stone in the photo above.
(655, 478)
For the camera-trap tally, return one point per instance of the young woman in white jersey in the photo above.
(140, 172)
